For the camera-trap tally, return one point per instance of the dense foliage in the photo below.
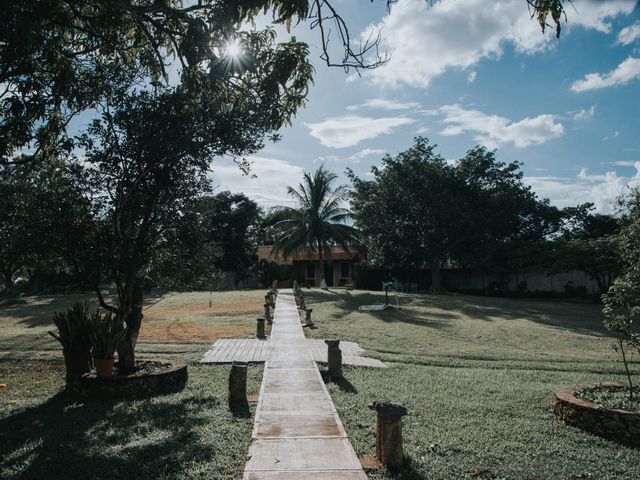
(420, 210)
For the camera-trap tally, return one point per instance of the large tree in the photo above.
(317, 222)
(420, 210)
(60, 58)
(150, 156)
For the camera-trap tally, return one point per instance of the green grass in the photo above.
(192, 434)
(477, 376)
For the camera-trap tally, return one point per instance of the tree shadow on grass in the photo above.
(69, 438)
(444, 308)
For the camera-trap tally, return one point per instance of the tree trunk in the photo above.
(436, 278)
(323, 281)
(133, 320)
(8, 283)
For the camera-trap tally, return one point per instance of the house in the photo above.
(306, 266)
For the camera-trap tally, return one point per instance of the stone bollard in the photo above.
(260, 333)
(267, 312)
(307, 316)
(238, 384)
(274, 287)
(302, 305)
(389, 433)
(334, 358)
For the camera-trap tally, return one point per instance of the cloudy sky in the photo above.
(468, 72)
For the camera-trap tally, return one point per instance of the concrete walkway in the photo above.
(297, 433)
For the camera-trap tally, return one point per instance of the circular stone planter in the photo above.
(151, 378)
(620, 425)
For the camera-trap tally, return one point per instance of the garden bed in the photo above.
(574, 407)
(149, 378)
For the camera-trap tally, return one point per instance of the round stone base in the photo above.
(619, 425)
(150, 378)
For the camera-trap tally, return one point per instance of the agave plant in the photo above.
(73, 328)
(106, 333)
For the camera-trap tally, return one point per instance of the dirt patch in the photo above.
(245, 306)
(185, 331)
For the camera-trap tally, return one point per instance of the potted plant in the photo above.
(73, 335)
(106, 334)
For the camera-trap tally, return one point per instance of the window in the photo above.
(311, 271)
(344, 270)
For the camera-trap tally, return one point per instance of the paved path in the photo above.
(297, 433)
(229, 350)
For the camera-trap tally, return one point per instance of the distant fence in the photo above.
(523, 281)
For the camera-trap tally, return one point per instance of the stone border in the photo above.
(619, 425)
(172, 378)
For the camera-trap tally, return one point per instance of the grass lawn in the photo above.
(187, 435)
(477, 376)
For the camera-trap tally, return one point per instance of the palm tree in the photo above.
(318, 222)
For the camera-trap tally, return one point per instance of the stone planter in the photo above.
(166, 377)
(619, 425)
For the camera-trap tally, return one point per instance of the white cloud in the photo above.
(422, 130)
(424, 41)
(385, 104)
(629, 34)
(366, 152)
(602, 190)
(493, 130)
(624, 163)
(627, 71)
(267, 185)
(584, 114)
(349, 130)
(471, 77)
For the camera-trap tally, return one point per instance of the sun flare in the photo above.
(233, 48)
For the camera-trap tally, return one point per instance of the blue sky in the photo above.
(468, 72)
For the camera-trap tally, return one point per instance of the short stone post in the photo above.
(260, 333)
(334, 358)
(238, 384)
(267, 312)
(274, 287)
(302, 304)
(389, 433)
(307, 316)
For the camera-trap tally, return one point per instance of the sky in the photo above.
(471, 72)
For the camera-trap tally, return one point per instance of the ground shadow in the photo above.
(67, 438)
(583, 318)
(344, 385)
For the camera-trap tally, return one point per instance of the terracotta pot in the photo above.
(77, 363)
(104, 367)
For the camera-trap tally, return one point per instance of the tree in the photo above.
(45, 217)
(318, 222)
(419, 210)
(587, 242)
(150, 155)
(60, 58)
(218, 233)
(621, 303)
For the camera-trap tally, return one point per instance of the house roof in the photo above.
(265, 252)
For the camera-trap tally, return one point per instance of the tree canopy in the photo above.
(420, 210)
(58, 59)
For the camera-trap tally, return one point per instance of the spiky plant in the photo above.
(73, 328)
(106, 333)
